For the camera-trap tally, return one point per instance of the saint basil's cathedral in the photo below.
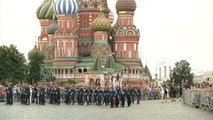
(79, 41)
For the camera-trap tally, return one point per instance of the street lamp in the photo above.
(105, 75)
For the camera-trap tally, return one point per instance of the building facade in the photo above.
(75, 32)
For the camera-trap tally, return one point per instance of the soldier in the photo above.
(34, 94)
(116, 99)
(128, 96)
(99, 96)
(57, 95)
(81, 96)
(67, 95)
(86, 95)
(51, 97)
(105, 96)
(72, 95)
(9, 95)
(112, 95)
(90, 92)
(122, 98)
(95, 96)
(27, 95)
(42, 96)
(138, 94)
(132, 93)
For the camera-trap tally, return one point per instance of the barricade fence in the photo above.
(199, 99)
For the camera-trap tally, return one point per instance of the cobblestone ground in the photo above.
(147, 110)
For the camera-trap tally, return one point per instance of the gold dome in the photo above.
(101, 23)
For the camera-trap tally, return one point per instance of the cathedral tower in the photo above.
(66, 36)
(44, 14)
(88, 11)
(101, 26)
(125, 34)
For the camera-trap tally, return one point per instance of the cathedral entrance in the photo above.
(98, 82)
(91, 82)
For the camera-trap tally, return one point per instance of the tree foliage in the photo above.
(36, 59)
(13, 66)
(182, 73)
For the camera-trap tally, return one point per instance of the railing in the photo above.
(199, 99)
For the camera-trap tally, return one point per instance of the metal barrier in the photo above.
(199, 99)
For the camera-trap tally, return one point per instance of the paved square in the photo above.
(147, 110)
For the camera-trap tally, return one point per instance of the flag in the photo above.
(113, 83)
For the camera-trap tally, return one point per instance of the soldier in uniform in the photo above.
(99, 97)
(112, 95)
(72, 95)
(67, 95)
(122, 98)
(95, 96)
(9, 95)
(138, 94)
(105, 96)
(27, 95)
(90, 94)
(34, 95)
(132, 93)
(86, 95)
(128, 97)
(57, 95)
(51, 97)
(42, 96)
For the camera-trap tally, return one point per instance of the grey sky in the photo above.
(171, 30)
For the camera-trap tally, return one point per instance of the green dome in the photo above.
(35, 49)
(45, 10)
(101, 23)
(50, 47)
(125, 5)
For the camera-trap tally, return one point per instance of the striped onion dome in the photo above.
(66, 7)
(52, 27)
(45, 10)
(125, 5)
(101, 23)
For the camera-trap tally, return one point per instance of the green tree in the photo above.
(36, 59)
(182, 73)
(13, 66)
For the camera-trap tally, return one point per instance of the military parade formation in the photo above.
(80, 95)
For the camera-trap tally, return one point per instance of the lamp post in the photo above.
(105, 75)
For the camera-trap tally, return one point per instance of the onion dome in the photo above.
(45, 10)
(125, 5)
(50, 47)
(101, 23)
(35, 49)
(52, 27)
(66, 7)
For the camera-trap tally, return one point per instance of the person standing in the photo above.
(9, 95)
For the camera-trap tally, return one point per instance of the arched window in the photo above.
(95, 6)
(79, 70)
(82, 47)
(130, 32)
(71, 71)
(98, 82)
(120, 32)
(87, 47)
(85, 6)
(91, 82)
(85, 70)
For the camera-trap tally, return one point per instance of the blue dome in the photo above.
(66, 7)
